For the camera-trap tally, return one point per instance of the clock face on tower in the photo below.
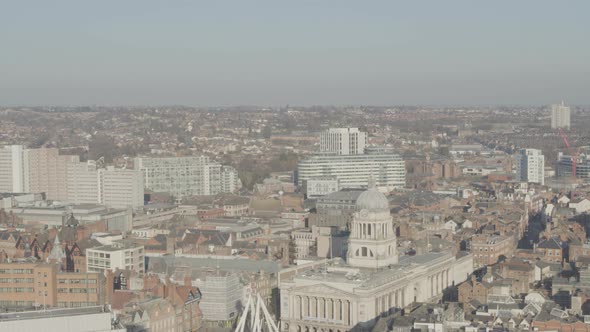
(364, 213)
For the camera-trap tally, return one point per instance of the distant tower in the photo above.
(560, 116)
(343, 141)
(372, 242)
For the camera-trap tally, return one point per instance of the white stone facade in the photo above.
(342, 298)
(374, 280)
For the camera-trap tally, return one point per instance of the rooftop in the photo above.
(338, 271)
(160, 264)
(342, 195)
(116, 246)
(51, 313)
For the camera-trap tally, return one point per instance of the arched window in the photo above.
(364, 251)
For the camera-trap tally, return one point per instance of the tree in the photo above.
(102, 146)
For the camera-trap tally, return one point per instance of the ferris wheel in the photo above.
(256, 316)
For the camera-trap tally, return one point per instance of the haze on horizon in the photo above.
(303, 52)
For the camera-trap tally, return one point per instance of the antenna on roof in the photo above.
(217, 264)
(371, 181)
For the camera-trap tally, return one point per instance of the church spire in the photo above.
(57, 254)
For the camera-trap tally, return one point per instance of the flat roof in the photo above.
(52, 313)
(227, 264)
(341, 272)
(116, 247)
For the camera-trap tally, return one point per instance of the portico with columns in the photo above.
(348, 295)
(341, 298)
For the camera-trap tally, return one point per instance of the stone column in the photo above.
(297, 309)
(389, 301)
(437, 283)
(346, 314)
(376, 306)
(322, 308)
(431, 285)
(306, 306)
(449, 282)
(338, 310)
(330, 306)
(403, 301)
(314, 307)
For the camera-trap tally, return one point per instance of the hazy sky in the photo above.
(339, 52)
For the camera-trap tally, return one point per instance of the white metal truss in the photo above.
(253, 320)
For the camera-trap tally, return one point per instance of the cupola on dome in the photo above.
(372, 199)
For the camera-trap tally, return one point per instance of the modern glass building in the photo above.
(564, 166)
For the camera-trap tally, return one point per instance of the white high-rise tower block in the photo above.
(343, 141)
(560, 116)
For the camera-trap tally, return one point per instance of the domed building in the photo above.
(372, 242)
(348, 295)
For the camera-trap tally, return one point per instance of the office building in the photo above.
(487, 249)
(120, 188)
(530, 166)
(564, 165)
(47, 171)
(34, 284)
(317, 187)
(12, 176)
(560, 116)
(65, 178)
(187, 176)
(349, 295)
(83, 183)
(353, 171)
(110, 186)
(118, 256)
(343, 141)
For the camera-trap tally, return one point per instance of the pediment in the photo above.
(321, 289)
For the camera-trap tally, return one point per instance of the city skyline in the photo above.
(230, 53)
(314, 166)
